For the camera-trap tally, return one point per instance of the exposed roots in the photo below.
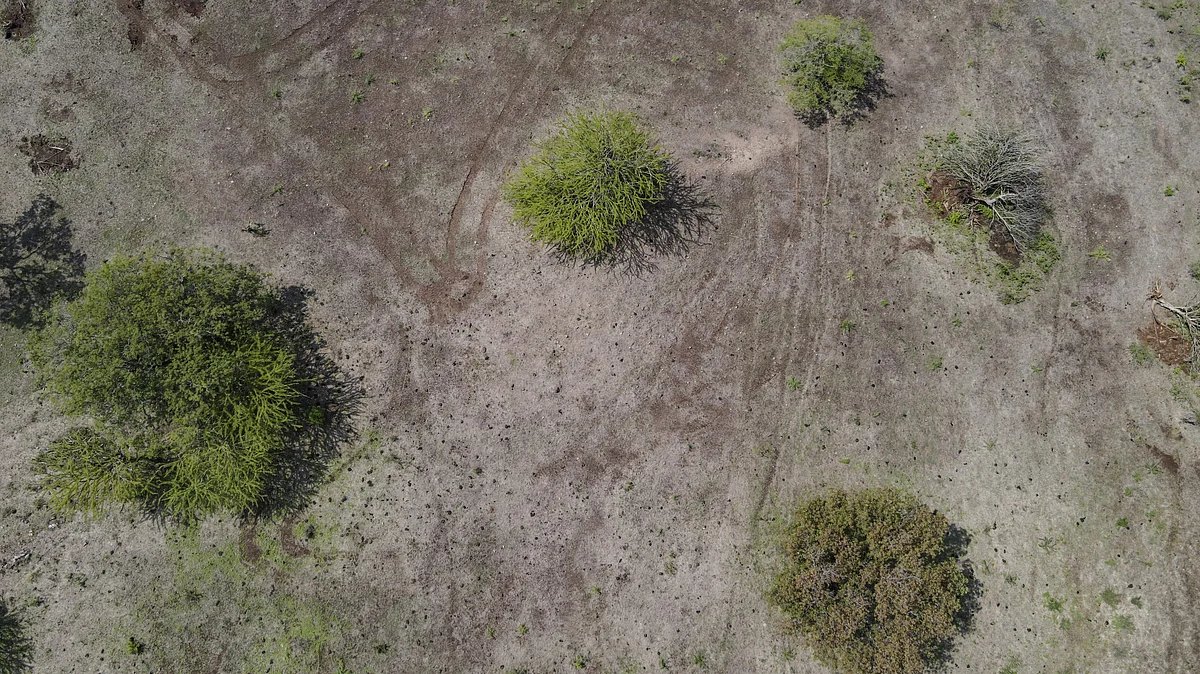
(1188, 320)
(1005, 181)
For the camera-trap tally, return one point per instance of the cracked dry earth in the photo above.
(564, 467)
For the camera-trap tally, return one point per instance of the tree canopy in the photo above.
(200, 380)
(871, 582)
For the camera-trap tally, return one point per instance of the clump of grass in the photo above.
(830, 67)
(871, 581)
(594, 177)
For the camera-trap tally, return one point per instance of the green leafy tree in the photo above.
(831, 68)
(200, 380)
(589, 183)
(872, 582)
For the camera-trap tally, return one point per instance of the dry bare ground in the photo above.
(563, 466)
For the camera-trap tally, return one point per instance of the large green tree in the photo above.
(200, 380)
(872, 582)
(831, 68)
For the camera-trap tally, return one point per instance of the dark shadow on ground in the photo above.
(671, 226)
(38, 266)
(866, 102)
(16, 648)
(329, 402)
(956, 544)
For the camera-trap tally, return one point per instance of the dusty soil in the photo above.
(565, 466)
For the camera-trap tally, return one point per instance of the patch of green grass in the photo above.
(1136, 601)
(1100, 254)
(847, 327)
(358, 53)
(934, 364)
(700, 659)
(1109, 596)
(1123, 523)
(1141, 355)
(1052, 603)
(357, 96)
(1102, 53)
(579, 662)
(1122, 622)
(1170, 190)
(1011, 666)
(198, 618)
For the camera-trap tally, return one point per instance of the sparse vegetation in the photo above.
(871, 581)
(595, 177)
(831, 68)
(202, 383)
(1142, 355)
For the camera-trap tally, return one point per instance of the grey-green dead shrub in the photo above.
(873, 582)
(1002, 177)
(200, 384)
(591, 181)
(831, 68)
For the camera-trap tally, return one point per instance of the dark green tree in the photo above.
(203, 383)
(872, 582)
(831, 68)
(587, 185)
(37, 264)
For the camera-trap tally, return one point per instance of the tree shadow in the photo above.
(670, 227)
(16, 648)
(956, 543)
(867, 101)
(329, 402)
(38, 266)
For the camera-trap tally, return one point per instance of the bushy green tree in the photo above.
(871, 582)
(830, 66)
(594, 178)
(189, 369)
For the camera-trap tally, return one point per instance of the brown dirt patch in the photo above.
(947, 194)
(48, 155)
(1168, 462)
(1170, 348)
(250, 550)
(921, 243)
(193, 7)
(287, 539)
(17, 19)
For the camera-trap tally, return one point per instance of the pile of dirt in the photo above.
(48, 155)
(16, 19)
(1171, 348)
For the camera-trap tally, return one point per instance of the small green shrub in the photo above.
(592, 179)
(830, 67)
(198, 377)
(872, 582)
